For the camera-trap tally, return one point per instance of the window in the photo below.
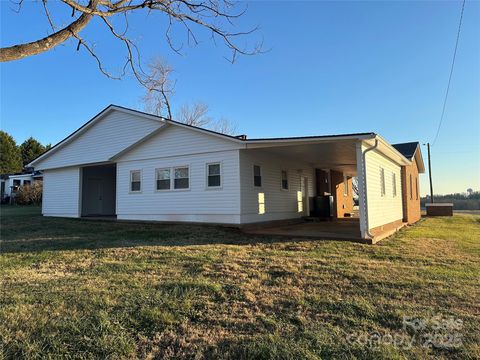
(411, 188)
(394, 184)
(257, 176)
(181, 178)
(163, 179)
(382, 181)
(214, 175)
(135, 180)
(16, 182)
(284, 180)
(26, 182)
(261, 203)
(299, 201)
(416, 187)
(345, 185)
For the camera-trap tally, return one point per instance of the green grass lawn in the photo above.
(88, 289)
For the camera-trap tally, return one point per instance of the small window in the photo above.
(163, 179)
(411, 188)
(416, 187)
(26, 182)
(257, 176)
(382, 181)
(135, 180)
(394, 184)
(214, 175)
(16, 182)
(261, 203)
(345, 185)
(181, 178)
(284, 180)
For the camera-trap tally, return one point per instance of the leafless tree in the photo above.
(196, 114)
(225, 126)
(215, 16)
(159, 87)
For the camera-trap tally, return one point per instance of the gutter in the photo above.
(364, 154)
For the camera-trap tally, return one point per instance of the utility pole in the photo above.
(430, 173)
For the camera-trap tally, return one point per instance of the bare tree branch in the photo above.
(159, 87)
(33, 48)
(225, 126)
(196, 115)
(214, 15)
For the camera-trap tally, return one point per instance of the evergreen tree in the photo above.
(10, 157)
(31, 149)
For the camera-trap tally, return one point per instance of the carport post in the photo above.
(362, 204)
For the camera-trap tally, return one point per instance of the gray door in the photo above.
(95, 196)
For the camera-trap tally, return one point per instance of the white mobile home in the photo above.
(137, 166)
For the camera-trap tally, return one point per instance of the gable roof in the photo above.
(406, 150)
(411, 150)
(84, 128)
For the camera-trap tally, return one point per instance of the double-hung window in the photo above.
(135, 181)
(257, 176)
(163, 179)
(214, 175)
(181, 178)
(284, 180)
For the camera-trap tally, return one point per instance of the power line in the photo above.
(451, 72)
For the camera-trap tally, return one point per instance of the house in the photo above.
(136, 166)
(9, 183)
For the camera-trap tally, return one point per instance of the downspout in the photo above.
(364, 155)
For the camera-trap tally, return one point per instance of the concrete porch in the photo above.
(339, 229)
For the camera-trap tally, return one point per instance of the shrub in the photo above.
(29, 194)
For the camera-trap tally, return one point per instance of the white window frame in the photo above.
(281, 180)
(382, 182)
(394, 184)
(261, 176)
(173, 177)
(130, 182)
(170, 179)
(219, 163)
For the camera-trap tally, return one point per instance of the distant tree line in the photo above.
(14, 158)
(461, 201)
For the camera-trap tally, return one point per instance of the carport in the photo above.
(366, 156)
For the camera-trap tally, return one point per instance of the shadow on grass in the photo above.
(24, 229)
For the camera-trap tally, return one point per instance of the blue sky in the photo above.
(332, 67)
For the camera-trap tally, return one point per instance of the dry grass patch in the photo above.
(119, 290)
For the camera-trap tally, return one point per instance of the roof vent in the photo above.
(242, 137)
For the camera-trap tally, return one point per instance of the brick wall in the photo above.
(411, 193)
(342, 203)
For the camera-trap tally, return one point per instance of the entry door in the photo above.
(304, 191)
(95, 196)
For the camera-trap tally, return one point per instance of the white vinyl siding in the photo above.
(61, 192)
(177, 141)
(198, 204)
(277, 204)
(110, 135)
(382, 209)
